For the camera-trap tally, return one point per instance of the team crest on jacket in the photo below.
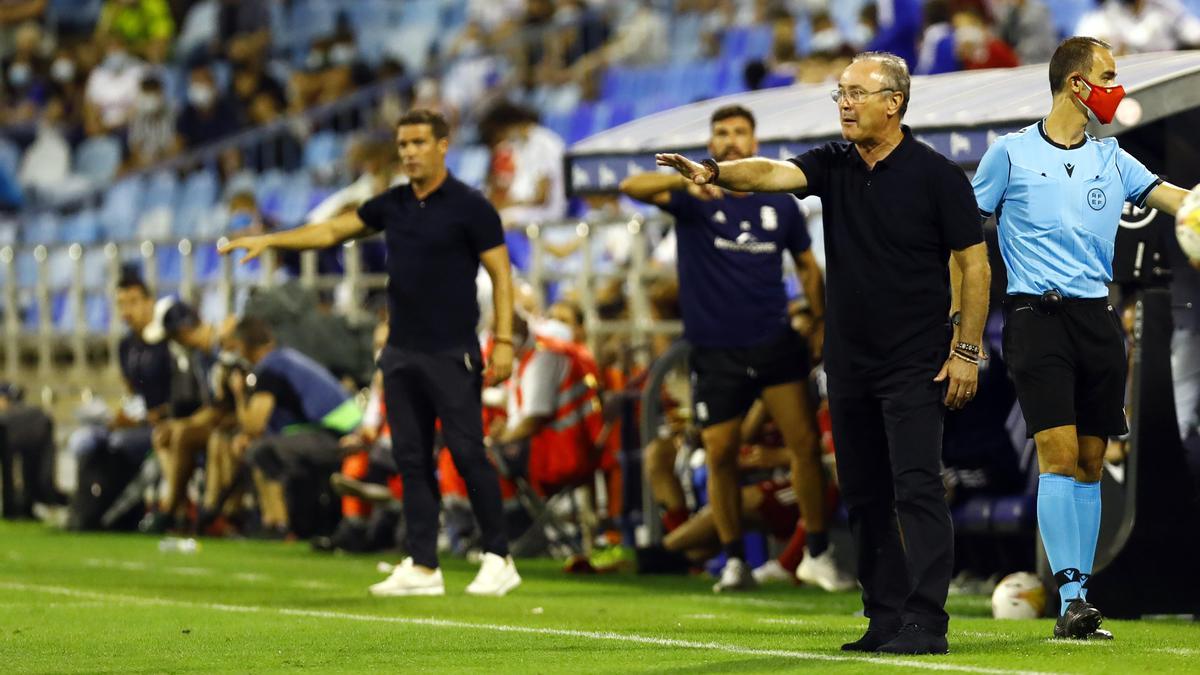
(770, 220)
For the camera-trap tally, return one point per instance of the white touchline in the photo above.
(886, 662)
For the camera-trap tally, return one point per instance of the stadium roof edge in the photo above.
(959, 114)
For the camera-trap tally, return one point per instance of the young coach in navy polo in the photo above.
(895, 213)
(438, 231)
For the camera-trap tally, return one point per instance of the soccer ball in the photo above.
(1020, 595)
(1187, 224)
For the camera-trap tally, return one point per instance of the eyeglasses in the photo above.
(855, 96)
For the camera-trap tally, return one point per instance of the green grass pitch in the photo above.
(114, 603)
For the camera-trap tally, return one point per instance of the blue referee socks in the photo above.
(1060, 533)
(1087, 515)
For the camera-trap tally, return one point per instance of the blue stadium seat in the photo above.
(40, 228)
(77, 13)
(420, 11)
(95, 268)
(62, 315)
(59, 268)
(31, 317)
(473, 164)
(26, 268)
(685, 37)
(366, 15)
(293, 205)
(251, 271)
(974, 516)
(97, 311)
(1067, 13)
(308, 20)
(10, 157)
(208, 263)
(161, 189)
(322, 151)
(82, 227)
(198, 198)
(1015, 514)
(269, 190)
(170, 264)
(122, 207)
(98, 159)
(746, 42)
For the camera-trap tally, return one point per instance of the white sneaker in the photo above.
(497, 576)
(735, 577)
(822, 570)
(771, 572)
(406, 580)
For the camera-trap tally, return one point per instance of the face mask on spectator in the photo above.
(240, 220)
(150, 103)
(62, 70)
(827, 40)
(315, 60)
(342, 55)
(116, 60)
(18, 75)
(200, 94)
(972, 41)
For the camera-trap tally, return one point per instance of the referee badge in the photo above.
(1096, 199)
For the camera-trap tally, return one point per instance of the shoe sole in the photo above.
(505, 588)
(408, 592)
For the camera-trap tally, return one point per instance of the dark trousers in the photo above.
(285, 456)
(887, 435)
(420, 388)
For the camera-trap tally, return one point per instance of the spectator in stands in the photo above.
(829, 51)
(26, 77)
(327, 74)
(208, 116)
(30, 432)
(246, 27)
(45, 169)
(937, 54)
(976, 44)
(146, 26)
(281, 149)
(1137, 26)
(1028, 26)
(15, 12)
(152, 135)
(897, 28)
(112, 90)
(295, 412)
(67, 84)
(250, 78)
(525, 182)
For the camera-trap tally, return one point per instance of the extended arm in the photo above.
(753, 174)
(1167, 198)
(317, 235)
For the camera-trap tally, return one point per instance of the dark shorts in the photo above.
(1068, 366)
(726, 381)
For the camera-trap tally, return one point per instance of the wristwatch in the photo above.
(956, 318)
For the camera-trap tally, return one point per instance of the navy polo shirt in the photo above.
(433, 249)
(147, 368)
(888, 236)
(730, 259)
(306, 393)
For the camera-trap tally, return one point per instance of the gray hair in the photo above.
(895, 73)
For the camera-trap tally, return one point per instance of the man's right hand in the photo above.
(254, 246)
(693, 171)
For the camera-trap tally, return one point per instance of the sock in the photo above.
(1087, 517)
(794, 553)
(735, 549)
(1060, 534)
(818, 542)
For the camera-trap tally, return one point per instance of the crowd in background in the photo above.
(151, 80)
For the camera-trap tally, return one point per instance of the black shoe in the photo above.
(913, 639)
(872, 640)
(1079, 621)
(155, 523)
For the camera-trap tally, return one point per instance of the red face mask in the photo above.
(1103, 101)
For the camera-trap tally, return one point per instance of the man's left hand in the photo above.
(500, 365)
(963, 381)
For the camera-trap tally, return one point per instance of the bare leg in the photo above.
(721, 445)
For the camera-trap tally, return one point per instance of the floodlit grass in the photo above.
(114, 603)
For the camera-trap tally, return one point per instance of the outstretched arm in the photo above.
(1166, 198)
(317, 235)
(754, 174)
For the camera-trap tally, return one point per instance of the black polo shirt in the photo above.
(888, 236)
(433, 249)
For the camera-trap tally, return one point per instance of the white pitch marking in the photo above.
(787, 622)
(897, 662)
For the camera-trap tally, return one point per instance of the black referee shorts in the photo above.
(726, 381)
(1068, 365)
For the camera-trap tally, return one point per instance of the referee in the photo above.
(1058, 193)
(438, 231)
(895, 213)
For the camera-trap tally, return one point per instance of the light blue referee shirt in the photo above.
(1058, 208)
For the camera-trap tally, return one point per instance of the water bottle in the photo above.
(178, 545)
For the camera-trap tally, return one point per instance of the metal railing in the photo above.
(72, 339)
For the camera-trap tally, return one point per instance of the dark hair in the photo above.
(503, 115)
(434, 119)
(253, 332)
(243, 198)
(1073, 55)
(131, 278)
(727, 111)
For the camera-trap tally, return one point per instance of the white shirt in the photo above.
(1162, 25)
(539, 156)
(114, 92)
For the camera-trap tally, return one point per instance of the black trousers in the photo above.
(420, 388)
(887, 434)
